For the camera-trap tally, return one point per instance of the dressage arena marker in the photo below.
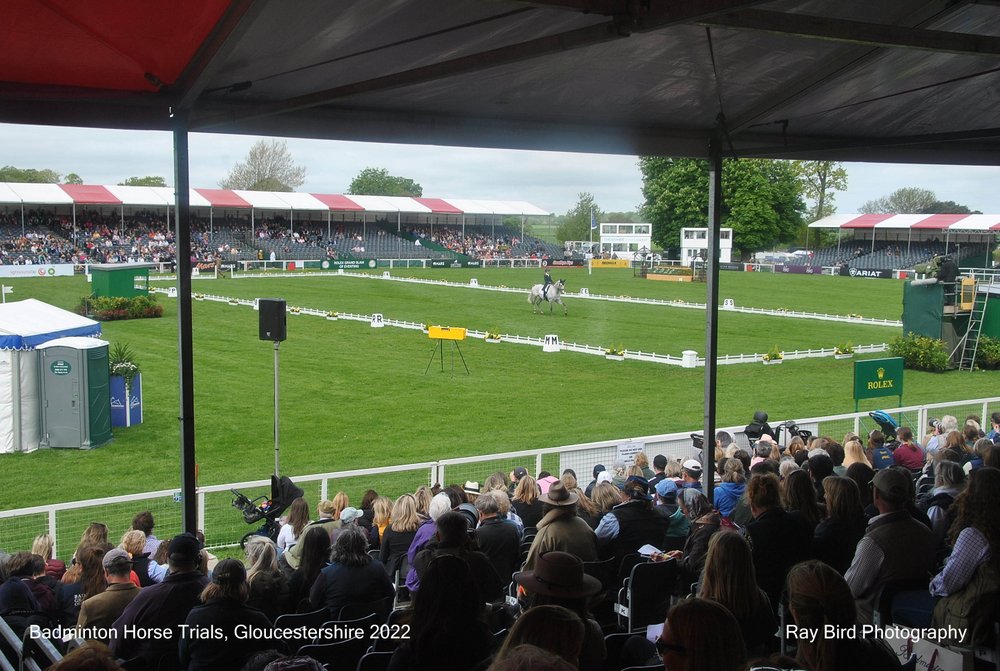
(728, 304)
(551, 343)
(377, 320)
(385, 274)
(473, 282)
(584, 291)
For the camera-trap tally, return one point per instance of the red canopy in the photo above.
(223, 198)
(91, 194)
(337, 202)
(438, 206)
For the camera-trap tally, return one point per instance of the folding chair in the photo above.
(297, 621)
(374, 661)
(644, 598)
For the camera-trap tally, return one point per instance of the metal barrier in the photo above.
(223, 525)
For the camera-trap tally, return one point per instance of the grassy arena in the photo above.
(355, 397)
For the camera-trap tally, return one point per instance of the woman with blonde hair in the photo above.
(605, 497)
(42, 546)
(729, 579)
(642, 461)
(399, 533)
(298, 518)
(267, 583)
(818, 596)
(854, 453)
(795, 445)
(144, 570)
(526, 503)
(340, 501)
(423, 497)
(381, 516)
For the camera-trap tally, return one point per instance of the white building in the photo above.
(694, 243)
(623, 241)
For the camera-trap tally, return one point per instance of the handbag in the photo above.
(971, 609)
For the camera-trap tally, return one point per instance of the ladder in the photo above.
(971, 340)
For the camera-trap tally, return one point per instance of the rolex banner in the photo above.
(878, 377)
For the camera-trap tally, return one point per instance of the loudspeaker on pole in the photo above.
(272, 319)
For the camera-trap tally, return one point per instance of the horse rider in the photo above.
(546, 282)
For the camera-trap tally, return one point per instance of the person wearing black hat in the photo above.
(162, 607)
(598, 469)
(558, 579)
(561, 528)
(894, 547)
(223, 609)
(632, 524)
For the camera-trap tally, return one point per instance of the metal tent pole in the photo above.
(712, 311)
(182, 237)
(277, 448)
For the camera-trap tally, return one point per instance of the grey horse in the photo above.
(553, 296)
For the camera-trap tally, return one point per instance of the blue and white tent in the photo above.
(24, 325)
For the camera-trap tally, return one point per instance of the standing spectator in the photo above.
(101, 610)
(895, 546)
(224, 607)
(163, 607)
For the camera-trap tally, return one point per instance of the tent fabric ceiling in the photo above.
(936, 222)
(824, 79)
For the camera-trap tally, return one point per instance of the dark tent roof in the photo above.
(908, 80)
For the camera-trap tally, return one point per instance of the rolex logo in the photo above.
(880, 372)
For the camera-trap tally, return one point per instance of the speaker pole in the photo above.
(277, 453)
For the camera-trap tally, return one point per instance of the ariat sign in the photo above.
(880, 274)
(878, 377)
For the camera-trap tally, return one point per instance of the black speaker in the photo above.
(272, 319)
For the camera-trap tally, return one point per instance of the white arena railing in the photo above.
(224, 527)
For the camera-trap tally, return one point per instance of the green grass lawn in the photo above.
(356, 397)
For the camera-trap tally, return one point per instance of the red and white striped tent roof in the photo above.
(971, 223)
(150, 196)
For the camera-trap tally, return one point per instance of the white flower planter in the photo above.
(494, 340)
(772, 362)
(843, 356)
(614, 357)
(332, 318)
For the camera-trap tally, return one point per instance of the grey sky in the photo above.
(550, 180)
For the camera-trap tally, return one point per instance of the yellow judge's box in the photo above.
(445, 333)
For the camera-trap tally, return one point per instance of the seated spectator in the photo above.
(329, 520)
(837, 535)
(446, 630)
(818, 596)
(352, 576)
(527, 657)
(970, 580)
(551, 628)
(598, 469)
(659, 470)
(819, 467)
(144, 522)
(496, 539)
(642, 461)
(558, 578)
(701, 635)
(729, 580)
(223, 608)
(18, 605)
(731, 489)
(315, 555)
(452, 538)
(561, 528)
(268, 586)
(632, 524)
(894, 547)
(705, 522)
(667, 505)
(144, 570)
(94, 656)
(854, 454)
(398, 536)
(862, 476)
(42, 546)
(43, 587)
(606, 496)
(691, 475)
(101, 610)
(908, 453)
(949, 482)
(799, 498)
(979, 450)
(87, 582)
(779, 539)
(439, 505)
(525, 501)
(381, 516)
(298, 518)
(164, 607)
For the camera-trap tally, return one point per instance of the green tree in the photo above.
(9, 173)
(908, 200)
(947, 207)
(575, 224)
(149, 180)
(820, 182)
(623, 217)
(378, 182)
(73, 178)
(267, 167)
(761, 200)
